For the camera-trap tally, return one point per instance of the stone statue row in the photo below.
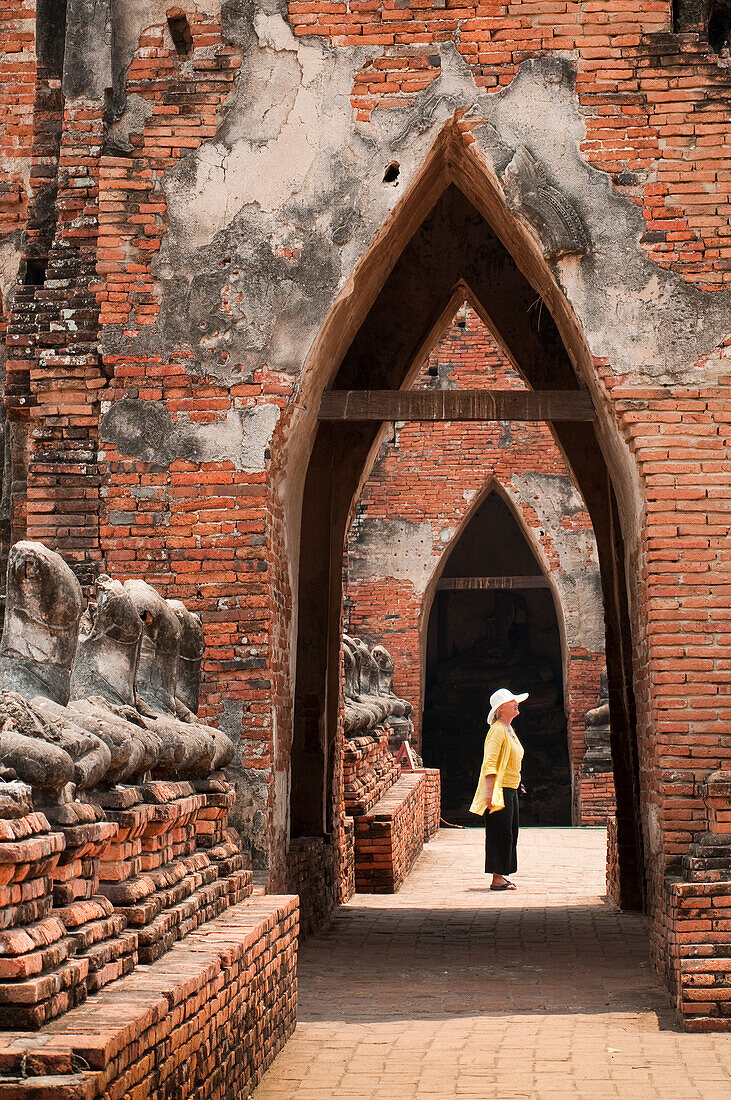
(102, 696)
(370, 700)
(597, 732)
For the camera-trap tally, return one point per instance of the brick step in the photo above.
(390, 837)
(159, 935)
(31, 1004)
(233, 978)
(716, 857)
(97, 930)
(710, 875)
(111, 959)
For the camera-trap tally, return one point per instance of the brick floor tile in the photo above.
(448, 990)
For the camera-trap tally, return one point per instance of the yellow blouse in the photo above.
(502, 758)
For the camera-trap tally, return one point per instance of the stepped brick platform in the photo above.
(205, 1021)
(369, 770)
(594, 797)
(698, 918)
(389, 839)
(39, 977)
(699, 933)
(311, 859)
(155, 874)
(432, 802)
(98, 933)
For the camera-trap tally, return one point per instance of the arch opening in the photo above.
(453, 246)
(482, 638)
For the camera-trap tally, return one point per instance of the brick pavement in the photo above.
(447, 990)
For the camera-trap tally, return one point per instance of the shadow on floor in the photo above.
(387, 964)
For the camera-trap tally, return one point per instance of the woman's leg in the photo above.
(514, 824)
(498, 843)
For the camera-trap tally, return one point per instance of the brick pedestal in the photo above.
(203, 1022)
(698, 918)
(99, 934)
(312, 875)
(369, 770)
(432, 802)
(390, 837)
(155, 875)
(594, 798)
(39, 978)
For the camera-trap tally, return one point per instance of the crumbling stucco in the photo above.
(555, 499)
(397, 548)
(299, 176)
(146, 430)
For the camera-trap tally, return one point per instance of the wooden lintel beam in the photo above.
(523, 405)
(454, 584)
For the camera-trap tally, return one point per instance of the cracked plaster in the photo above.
(577, 579)
(300, 168)
(147, 430)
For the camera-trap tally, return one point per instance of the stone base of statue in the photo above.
(158, 876)
(98, 932)
(369, 770)
(39, 976)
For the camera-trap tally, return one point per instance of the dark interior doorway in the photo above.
(481, 639)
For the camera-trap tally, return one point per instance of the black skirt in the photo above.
(501, 836)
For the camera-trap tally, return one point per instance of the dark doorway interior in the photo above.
(479, 640)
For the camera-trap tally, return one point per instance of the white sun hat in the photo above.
(502, 695)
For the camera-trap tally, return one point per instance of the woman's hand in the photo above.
(489, 788)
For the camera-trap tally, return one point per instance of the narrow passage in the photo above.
(447, 990)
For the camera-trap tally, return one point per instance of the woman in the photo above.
(497, 790)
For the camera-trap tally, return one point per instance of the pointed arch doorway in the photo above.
(448, 244)
(493, 623)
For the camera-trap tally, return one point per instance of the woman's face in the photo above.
(508, 711)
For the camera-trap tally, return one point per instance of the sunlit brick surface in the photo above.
(448, 990)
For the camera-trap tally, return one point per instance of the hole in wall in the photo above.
(51, 35)
(391, 174)
(35, 272)
(719, 28)
(180, 33)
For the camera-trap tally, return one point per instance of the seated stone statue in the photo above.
(597, 731)
(384, 663)
(42, 611)
(103, 683)
(356, 719)
(15, 799)
(190, 658)
(187, 685)
(189, 750)
(31, 749)
(108, 650)
(376, 711)
(369, 690)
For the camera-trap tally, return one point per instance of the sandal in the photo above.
(507, 885)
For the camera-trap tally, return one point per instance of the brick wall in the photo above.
(597, 798)
(659, 134)
(654, 108)
(311, 862)
(613, 890)
(678, 440)
(432, 803)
